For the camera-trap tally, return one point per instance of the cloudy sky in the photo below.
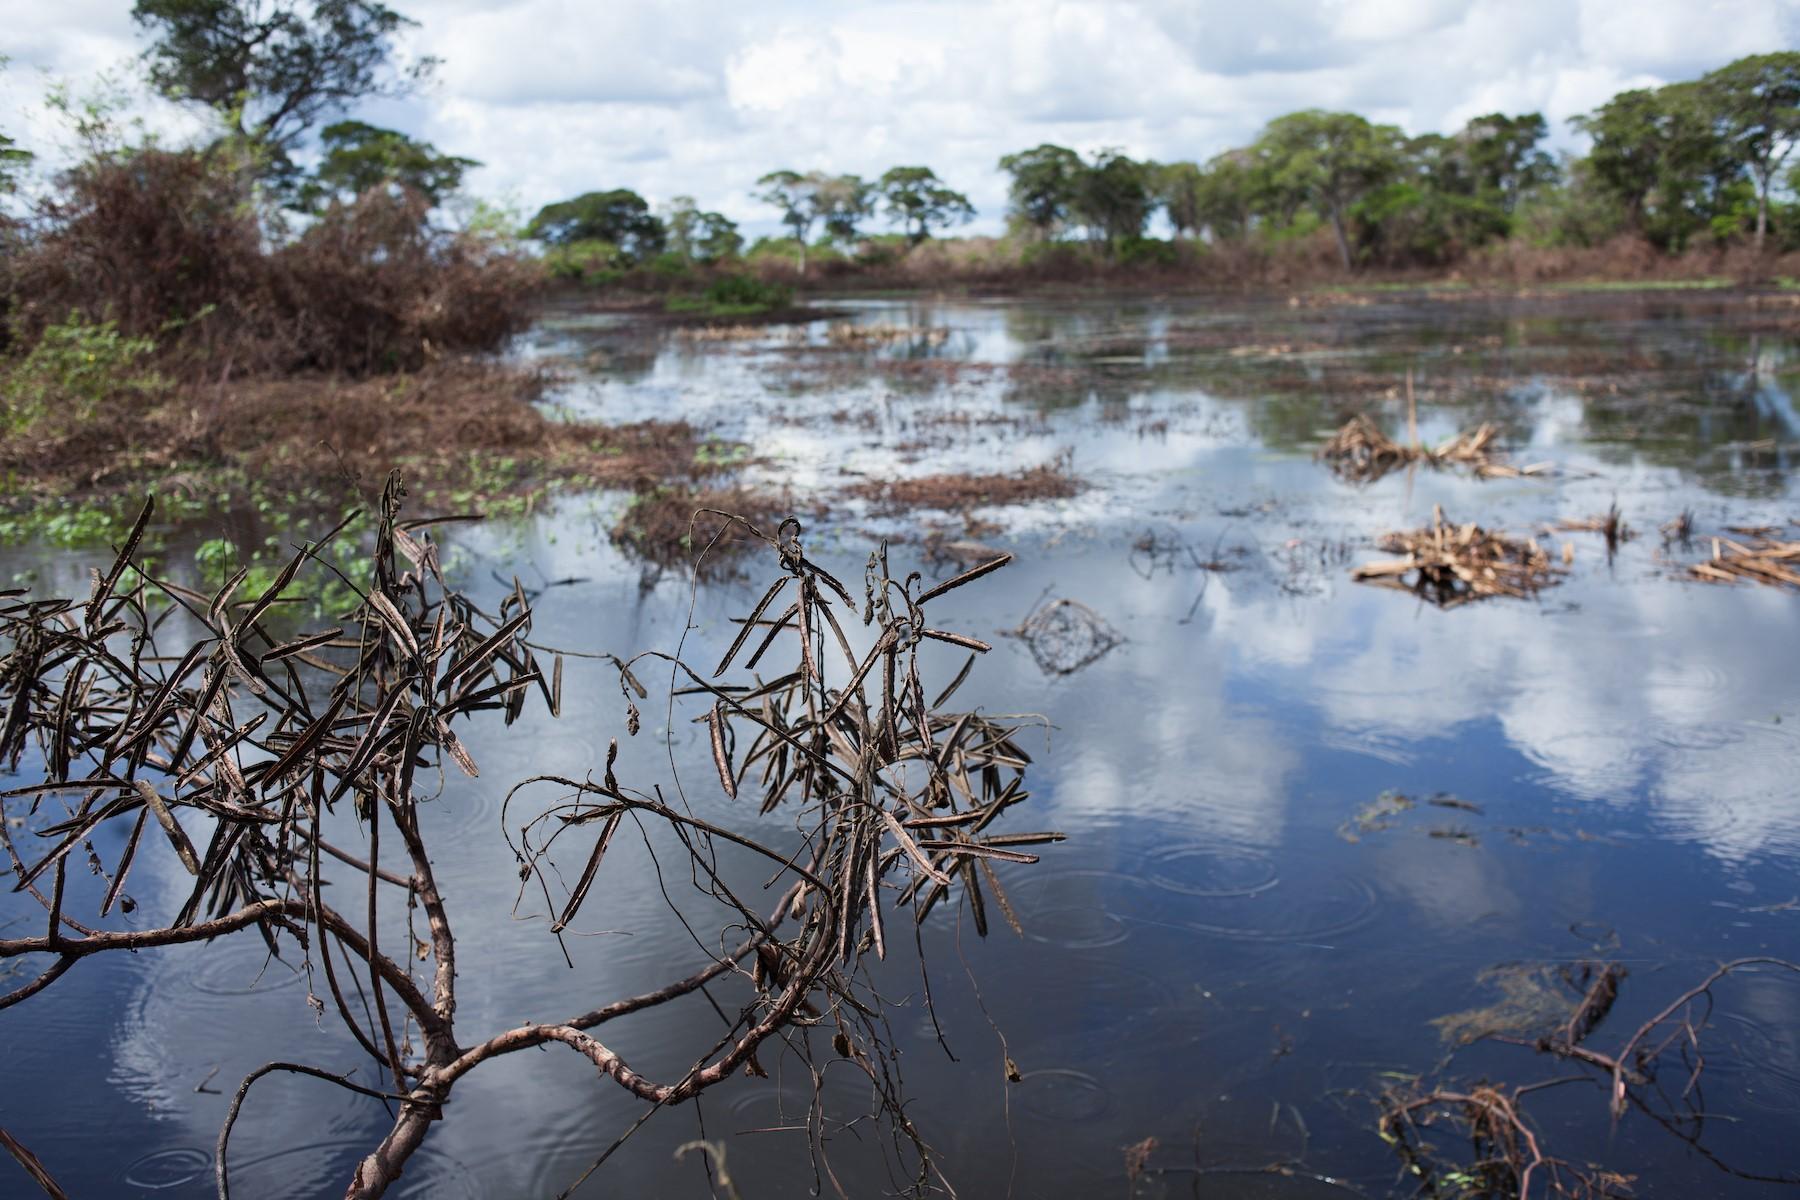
(701, 97)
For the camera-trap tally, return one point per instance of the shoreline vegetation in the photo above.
(305, 301)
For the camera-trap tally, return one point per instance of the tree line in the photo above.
(1699, 162)
(1678, 166)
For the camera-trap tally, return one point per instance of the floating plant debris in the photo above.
(1765, 560)
(1452, 564)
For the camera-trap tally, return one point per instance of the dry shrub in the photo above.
(372, 288)
(170, 244)
(143, 240)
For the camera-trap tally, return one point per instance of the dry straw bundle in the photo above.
(1762, 559)
(1453, 564)
(1362, 453)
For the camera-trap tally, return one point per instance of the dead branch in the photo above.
(228, 753)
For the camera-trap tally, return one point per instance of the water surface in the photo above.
(1234, 952)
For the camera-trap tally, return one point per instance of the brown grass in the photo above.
(448, 425)
(1047, 481)
(679, 524)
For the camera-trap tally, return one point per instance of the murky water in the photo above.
(1240, 945)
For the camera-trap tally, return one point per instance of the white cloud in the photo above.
(702, 97)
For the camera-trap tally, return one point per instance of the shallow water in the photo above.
(1230, 954)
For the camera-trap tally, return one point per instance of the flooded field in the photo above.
(1327, 842)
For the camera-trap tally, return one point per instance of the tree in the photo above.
(1043, 186)
(1112, 196)
(1330, 161)
(792, 193)
(839, 202)
(1754, 104)
(1658, 156)
(1502, 156)
(918, 202)
(1227, 195)
(359, 156)
(700, 236)
(842, 202)
(1178, 187)
(272, 69)
(12, 159)
(620, 216)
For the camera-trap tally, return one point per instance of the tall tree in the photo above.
(360, 156)
(1330, 161)
(1658, 156)
(1043, 186)
(273, 69)
(1178, 187)
(1755, 106)
(620, 216)
(918, 202)
(1227, 196)
(1503, 157)
(699, 236)
(843, 202)
(793, 194)
(1112, 196)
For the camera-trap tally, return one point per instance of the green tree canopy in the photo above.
(1502, 156)
(792, 193)
(1754, 106)
(1657, 155)
(360, 156)
(1328, 161)
(1177, 187)
(272, 69)
(1043, 186)
(918, 202)
(838, 202)
(700, 236)
(1113, 197)
(843, 202)
(620, 217)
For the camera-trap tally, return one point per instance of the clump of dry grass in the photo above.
(1454, 564)
(1048, 481)
(846, 334)
(451, 426)
(1362, 453)
(672, 525)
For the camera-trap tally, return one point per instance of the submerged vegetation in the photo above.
(249, 753)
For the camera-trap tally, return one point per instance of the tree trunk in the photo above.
(1762, 208)
(1343, 242)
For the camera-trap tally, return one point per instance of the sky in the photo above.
(700, 98)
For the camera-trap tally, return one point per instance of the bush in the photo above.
(159, 236)
(1146, 252)
(748, 291)
(589, 262)
(74, 368)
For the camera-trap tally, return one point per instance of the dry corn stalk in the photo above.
(1361, 452)
(1453, 564)
(1761, 560)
